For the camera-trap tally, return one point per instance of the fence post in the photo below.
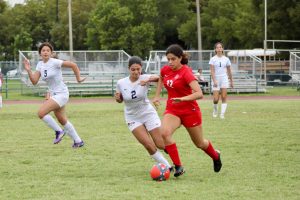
(112, 85)
(6, 87)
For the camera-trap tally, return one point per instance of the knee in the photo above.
(201, 145)
(40, 114)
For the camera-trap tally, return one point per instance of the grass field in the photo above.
(259, 141)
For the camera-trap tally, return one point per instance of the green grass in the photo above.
(259, 141)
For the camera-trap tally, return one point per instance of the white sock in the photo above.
(48, 119)
(158, 157)
(0, 101)
(215, 108)
(70, 130)
(223, 108)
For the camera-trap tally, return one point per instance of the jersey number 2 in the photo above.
(133, 94)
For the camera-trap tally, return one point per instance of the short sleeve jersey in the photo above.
(135, 96)
(220, 64)
(51, 73)
(177, 85)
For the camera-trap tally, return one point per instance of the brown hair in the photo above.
(178, 51)
(45, 44)
(216, 46)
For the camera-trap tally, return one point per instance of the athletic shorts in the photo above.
(60, 98)
(190, 119)
(149, 120)
(222, 83)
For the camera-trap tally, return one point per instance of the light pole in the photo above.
(199, 33)
(265, 45)
(70, 28)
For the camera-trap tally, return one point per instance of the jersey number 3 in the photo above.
(45, 73)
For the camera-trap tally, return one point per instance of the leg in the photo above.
(141, 134)
(215, 102)
(68, 126)
(169, 124)
(157, 138)
(196, 134)
(224, 102)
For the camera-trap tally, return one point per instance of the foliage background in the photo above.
(138, 26)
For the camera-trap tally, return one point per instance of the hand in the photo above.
(176, 100)
(143, 82)
(156, 102)
(81, 79)
(118, 97)
(215, 84)
(27, 65)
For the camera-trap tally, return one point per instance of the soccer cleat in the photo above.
(218, 163)
(215, 114)
(222, 116)
(179, 170)
(78, 145)
(58, 136)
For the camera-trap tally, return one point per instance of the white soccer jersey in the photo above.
(135, 96)
(51, 73)
(220, 64)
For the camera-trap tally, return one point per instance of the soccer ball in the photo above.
(160, 172)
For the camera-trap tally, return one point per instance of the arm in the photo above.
(197, 94)
(229, 73)
(152, 78)
(157, 92)
(75, 69)
(33, 76)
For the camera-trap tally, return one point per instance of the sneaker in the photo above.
(218, 163)
(215, 114)
(58, 136)
(78, 145)
(222, 116)
(179, 170)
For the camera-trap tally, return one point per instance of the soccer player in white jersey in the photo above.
(49, 70)
(220, 67)
(140, 116)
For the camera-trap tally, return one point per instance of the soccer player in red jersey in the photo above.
(182, 107)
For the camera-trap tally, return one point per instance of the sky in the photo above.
(13, 2)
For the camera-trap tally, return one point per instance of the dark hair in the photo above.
(178, 51)
(45, 44)
(134, 60)
(215, 46)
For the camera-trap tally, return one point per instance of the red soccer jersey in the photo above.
(177, 85)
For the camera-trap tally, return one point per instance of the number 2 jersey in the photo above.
(135, 96)
(51, 73)
(177, 84)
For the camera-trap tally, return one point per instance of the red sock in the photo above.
(173, 153)
(211, 151)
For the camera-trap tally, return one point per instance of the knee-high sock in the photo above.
(223, 108)
(0, 101)
(69, 128)
(173, 153)
(215, 108)
(211, 151)
(48, 119)
(158, 157)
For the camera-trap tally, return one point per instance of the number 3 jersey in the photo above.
(135, 96)
(177, 84)
(51, 73)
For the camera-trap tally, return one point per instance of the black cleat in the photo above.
(218, 163)
(179, 170)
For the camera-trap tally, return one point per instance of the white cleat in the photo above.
(222, 116)
(215, 114)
